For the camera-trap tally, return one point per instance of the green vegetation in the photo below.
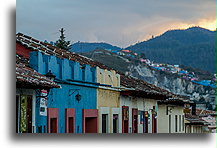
(194, 47)
(61, 42)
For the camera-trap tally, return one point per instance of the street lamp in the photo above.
(50, 75)
(78, 96)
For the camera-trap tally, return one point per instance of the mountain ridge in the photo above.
(194, 47)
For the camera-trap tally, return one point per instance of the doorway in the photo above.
(115, 123)
(53, 125)
(90, 125)
(104, 123)
(52, 117)
(24, 113)
(145, 128)
(69, 120)
(125, 119)
(135, 120)
(90, 120)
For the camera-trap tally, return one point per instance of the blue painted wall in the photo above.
(60, 98)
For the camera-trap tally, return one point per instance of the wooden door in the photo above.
(125, 119)
(154, 123)
(134, 120)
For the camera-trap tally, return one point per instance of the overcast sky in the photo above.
(118, 22)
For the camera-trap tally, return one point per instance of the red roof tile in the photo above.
(29, 78)
(52, 50)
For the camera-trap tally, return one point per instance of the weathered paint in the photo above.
(22, 50)
(164, 111)
(108, 97)
(82, 82)
(108, 77)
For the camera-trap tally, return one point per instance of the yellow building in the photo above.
(108, 104)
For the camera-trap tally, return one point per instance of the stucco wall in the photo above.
(62, 68)
(163, 119)
(64, 97)
(107, 103)
(142, 104)
(108, 77)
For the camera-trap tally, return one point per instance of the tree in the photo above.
(62, 43)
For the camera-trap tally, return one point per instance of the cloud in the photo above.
(119, 22)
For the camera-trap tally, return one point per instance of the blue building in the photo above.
(71, 108)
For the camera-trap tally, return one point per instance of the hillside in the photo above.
(194, 47)
(110, 59)
(87, 47)
(172, 82)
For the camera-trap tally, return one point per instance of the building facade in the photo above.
(171, 116)
(108, 101)
(72, 108)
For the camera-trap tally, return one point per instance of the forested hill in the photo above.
(193, 47)
(87, 47)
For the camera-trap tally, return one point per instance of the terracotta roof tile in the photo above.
(125, 80)
(27, 77)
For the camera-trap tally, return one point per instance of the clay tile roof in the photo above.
(53, 50)
(174, 101)
(141, 85)
(21, 59)
(29, 78)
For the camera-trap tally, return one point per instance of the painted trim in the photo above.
(52, 113)
(69, 112)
